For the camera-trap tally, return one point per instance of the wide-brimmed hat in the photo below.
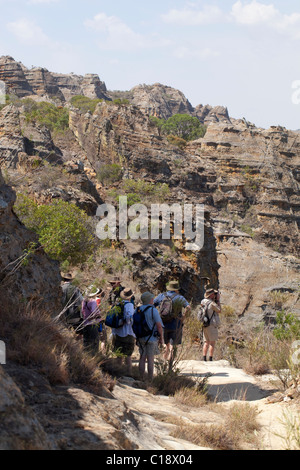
(94, 292)
(114, 280)
(146, 297)
(173, 285)
(126, 294)
(67, 276)
(210, 292)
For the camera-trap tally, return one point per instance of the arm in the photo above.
(128, 312)
(216, 307)
(161, 333)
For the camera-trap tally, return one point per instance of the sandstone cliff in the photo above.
(26, 273)
(21, 81)
(247, 178)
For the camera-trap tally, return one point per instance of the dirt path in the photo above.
(157, 415)
(227, 384)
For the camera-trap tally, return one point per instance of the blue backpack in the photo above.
(115, 316)
(140, 326)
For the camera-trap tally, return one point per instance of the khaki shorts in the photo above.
(210, 333)
(149, 349)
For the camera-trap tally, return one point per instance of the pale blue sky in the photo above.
(243, 54)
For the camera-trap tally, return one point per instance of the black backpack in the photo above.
(140, 326)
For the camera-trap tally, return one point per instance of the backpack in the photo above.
(166, 310)
(115, 316)
(73, 298)
(203, 316)
(140, 326)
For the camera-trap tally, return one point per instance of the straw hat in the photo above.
(67, 276)
(95, 292)
(126, 294)
(173, 285)
(209, 293)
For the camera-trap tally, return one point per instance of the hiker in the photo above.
(210, 333)
(124, 337)
(102, 328)
(172, 326)
(91, 319)
(71, 301)
(148, 345)
(115, 290)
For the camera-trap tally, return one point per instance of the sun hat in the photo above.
(114, 280)
(94, 292)
(173, 285)
(146, 297)
(209, 293)
(126, 294)
(67, 276)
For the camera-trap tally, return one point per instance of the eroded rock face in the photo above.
(23, 82)
(20, 429)
(161, 101)
(26, 272)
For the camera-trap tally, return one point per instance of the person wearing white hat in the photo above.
(210, 333)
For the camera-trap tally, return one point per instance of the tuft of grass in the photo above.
(237, 432)
(34, 339)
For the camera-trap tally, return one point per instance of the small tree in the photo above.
(184, 126)
(65, 231)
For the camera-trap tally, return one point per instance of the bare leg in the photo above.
(150, 360)
(128, 363)
(142, 365)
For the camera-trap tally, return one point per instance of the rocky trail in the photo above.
(130, 417)
(226, 385)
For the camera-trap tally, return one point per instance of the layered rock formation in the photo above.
(247, 178)
(156, 100)
(22, 82)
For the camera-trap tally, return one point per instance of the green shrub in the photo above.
(84, 103)
(287, 326)
(184, 126)
(55, 118)
(121, 101)
(64, 230)
(110, 173)
(144, 189)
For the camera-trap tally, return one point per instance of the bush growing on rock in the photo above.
(55, 118)
(110, 173)
(84, 103)
(64, 230)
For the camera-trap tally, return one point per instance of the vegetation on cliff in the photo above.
(65, 231)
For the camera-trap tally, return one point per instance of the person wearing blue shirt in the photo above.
(124, 336)
(173, 329)
(148, 345)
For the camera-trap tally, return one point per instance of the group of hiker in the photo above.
(155, 324)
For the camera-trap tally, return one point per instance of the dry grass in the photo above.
(237, 432)
(190, 397)
(35, 340)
